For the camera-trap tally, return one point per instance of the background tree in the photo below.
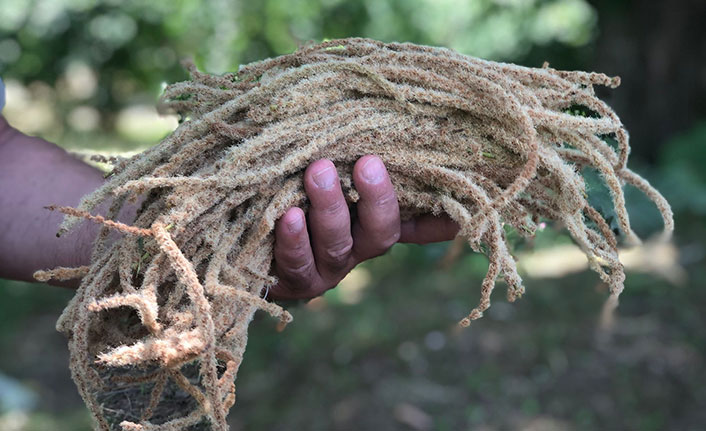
(375, 353)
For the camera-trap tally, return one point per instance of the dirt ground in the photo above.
(382, 352)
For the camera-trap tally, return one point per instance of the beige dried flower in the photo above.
(490, 144)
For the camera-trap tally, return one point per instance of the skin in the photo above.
(311, 255)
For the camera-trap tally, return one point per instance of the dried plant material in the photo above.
(490, 144)
(61, 273)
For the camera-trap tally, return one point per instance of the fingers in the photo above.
(428, 228)
(378, 226)
(329, 219)
(294, 260)
(309, 263)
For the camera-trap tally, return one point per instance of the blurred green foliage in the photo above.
(132, 48)
(85, 72)
(683, 177)
(143, 40)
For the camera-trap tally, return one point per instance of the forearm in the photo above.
(33, 174)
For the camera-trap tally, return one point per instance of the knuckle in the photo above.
(293, 252)
(334, 208)
(338, 254)
(384, 242)
(297, 256)
(299, 271)
(294, 262)
(385, 200)
(298, 248)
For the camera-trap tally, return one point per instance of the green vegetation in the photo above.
(382, 345)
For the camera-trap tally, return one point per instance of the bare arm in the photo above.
(33, 174)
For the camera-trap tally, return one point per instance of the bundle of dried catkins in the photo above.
(167, 306)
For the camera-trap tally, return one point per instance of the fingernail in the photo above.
(295, 225)
(325, 178)
(373, 170)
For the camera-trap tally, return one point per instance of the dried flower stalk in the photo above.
(490, 144)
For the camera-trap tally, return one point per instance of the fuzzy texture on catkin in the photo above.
(492, 145)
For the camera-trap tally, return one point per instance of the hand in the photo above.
(308, 263)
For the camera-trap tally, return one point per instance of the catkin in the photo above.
(495, 146)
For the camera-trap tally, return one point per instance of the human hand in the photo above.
(308, 263)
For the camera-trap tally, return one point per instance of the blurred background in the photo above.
(381, 352)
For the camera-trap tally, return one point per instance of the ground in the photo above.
(382, 352)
